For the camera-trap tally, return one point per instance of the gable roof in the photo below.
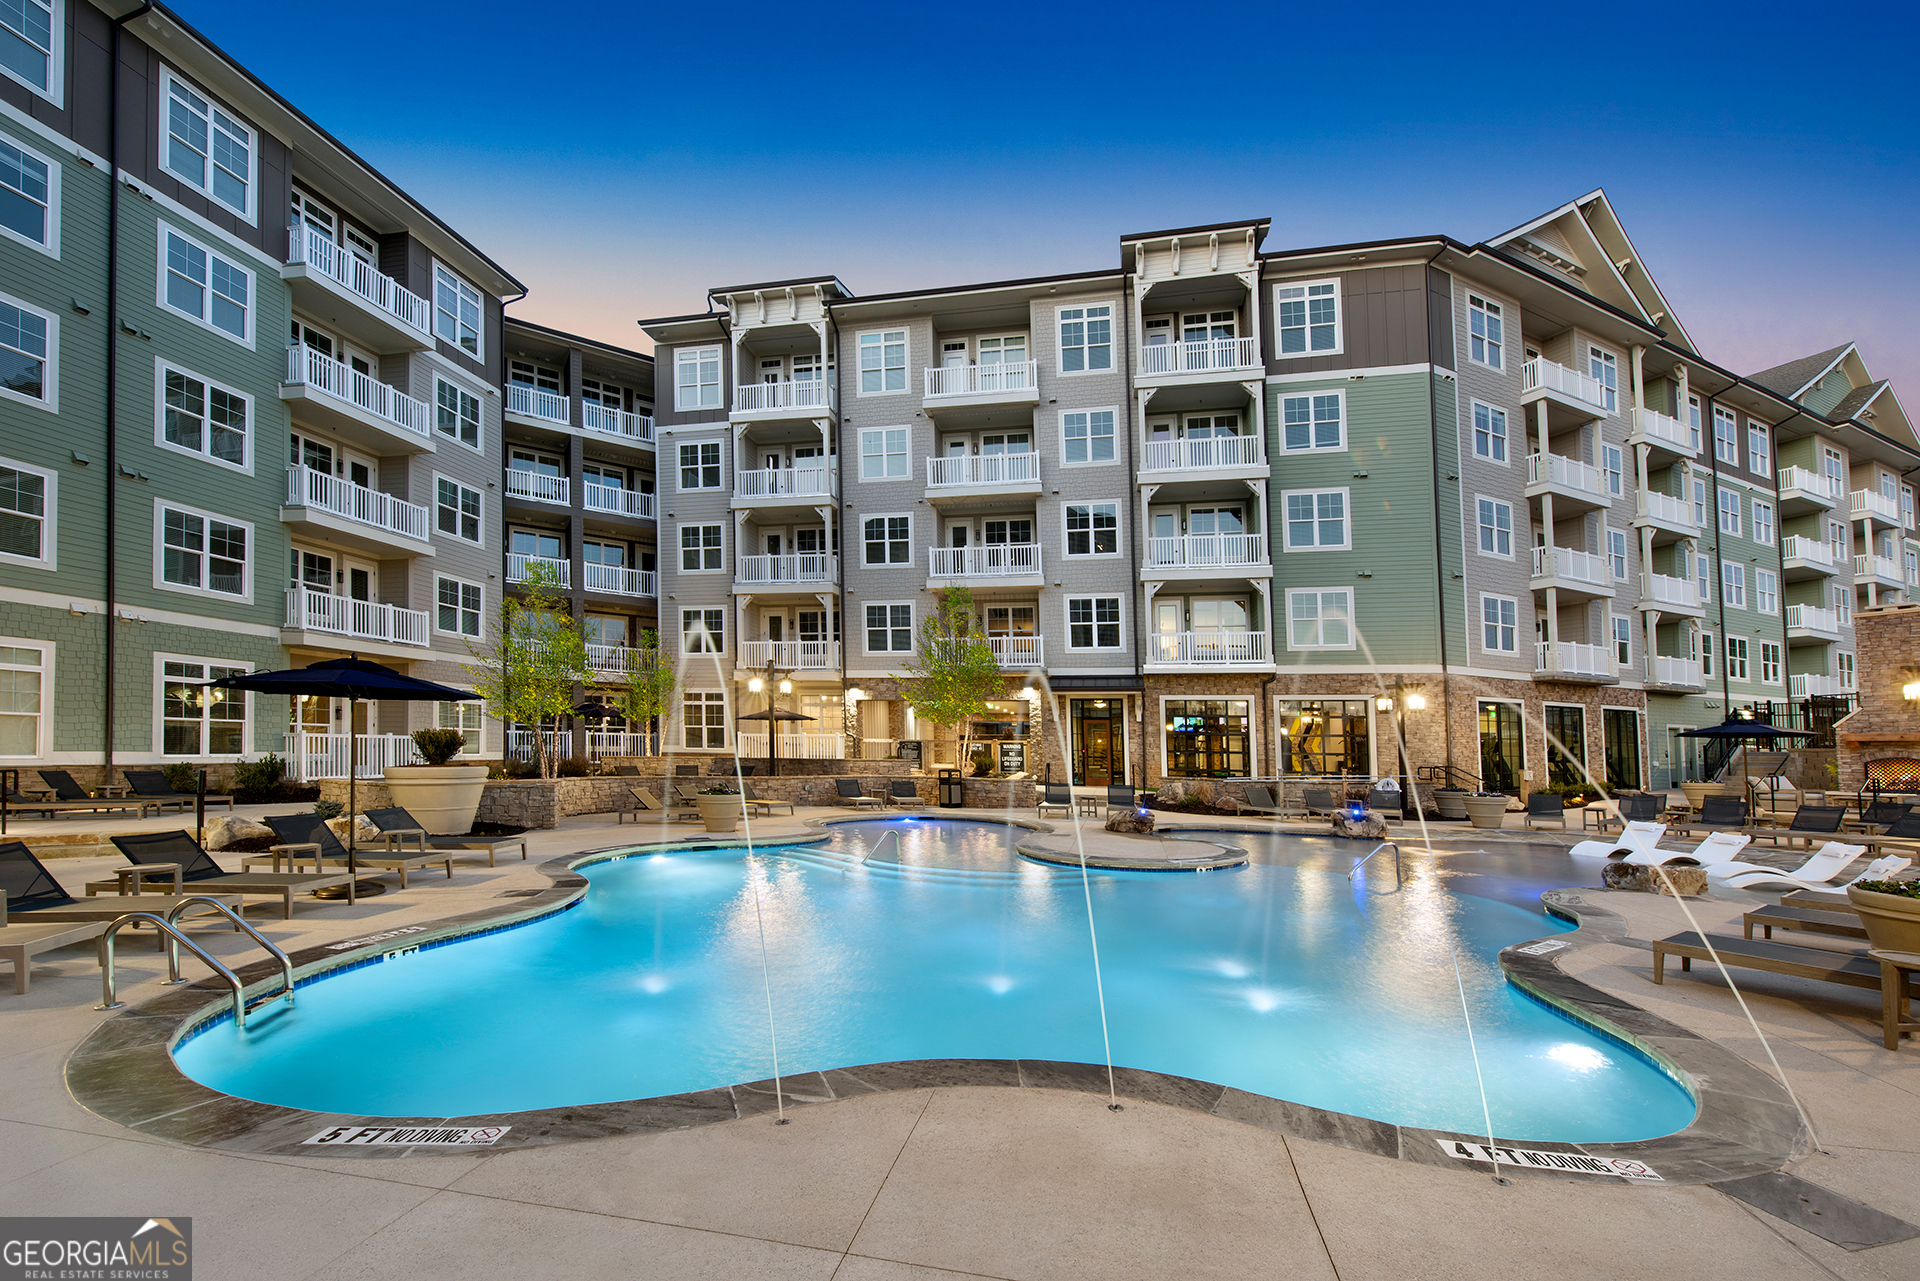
(1794, 377)
(1856, 400)
(1584, 243)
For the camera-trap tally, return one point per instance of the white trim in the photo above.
(721, 404)
(1525, 770)
(433, 508)
(1346, 520)
(860, 452)
(163, 113)
(43, 727)
(1480, 625)
(51, 246)
(905, 331)
(1353, 626)
(49, 558)
(1119, 506)
(1613, 638)
(160, 583)
(1119, 597)
(1512, 532)
(1499, 305)
(479, 445)
(1373, 738)
(1307, 283)
(1254, 758)
(161, 366)
(1279, 417)
(435, 607)
(202, 225)
(1112, 344)
(479, 305)
(1090, 411)
(55, 92)
(913, 625)
(157, 745)
(1368, 371)
(67, 604)
(1475, 404)
(678, 467)
(204, 319)
(679, 551)
(861, 525)
(50, 376)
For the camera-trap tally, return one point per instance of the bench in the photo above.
(1854, 969)
(1811, 920)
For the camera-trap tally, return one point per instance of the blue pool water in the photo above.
(1280, 978)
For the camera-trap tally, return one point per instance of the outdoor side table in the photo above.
(1896, 1018)
(1089, 806)
(127, 880)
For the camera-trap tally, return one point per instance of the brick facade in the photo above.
(1886, 724)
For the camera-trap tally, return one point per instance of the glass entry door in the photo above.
(1099, 730)
(1502, 757)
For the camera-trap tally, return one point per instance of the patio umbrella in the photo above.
(1736, 728)
(353, 679)
(773, 740)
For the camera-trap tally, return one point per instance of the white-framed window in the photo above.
(1726, 437)
(1692, 415)
(1843, 604)
(1617, 553)
(205, 286)
(1486, 335)
(1496, 526)
(456, 509)
(200, 417)
(703, 719)
(1837, 539)
(700, 465)
(1612, 469)
(883, 453)
(696, 378)
(1702, 572)
(1737, 658)
(1605, 369)
(457, 607)
(29, 354)
(883, 361)
(887, 539)
(1706, 654)
(1770, 663)
(32, 39)
(1313, 423)
(1622, 640)
(702, 549)
(1733, 584)
(29, 186)
(456, 412)
(1843, 668)
(1317, 520)
(1093, 622)
(1306, 318)
(468, 718)
(26, 694)
(1489, 433)
(1763, 522)
(206, 146)
(1086, 338)
(1699, 502)
(1906, 506)
(1759, 449)
(457, 314)
(201, 553)
(703, 631)
(1766, 591)
(1086, 436)
(1499, 624)
(1093, 529)
(889, 628)
(28, 504)
(1320, 618)
(196, 719)
(1730, 512)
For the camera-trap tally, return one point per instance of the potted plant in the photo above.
(1486, 809)
(719, 808)
(1450, 801)
(1891, 912)
(442, 797)
(1698, 792)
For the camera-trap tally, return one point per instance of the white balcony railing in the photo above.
(616, 422)
(1664, 429)
(313, 611)
(1571, 658)
(312, 757)
(1018, 651)
(1675, 671)
(752, 398)
(383, 293)
(601, 743)
(1564, 562)
(1811, 550)
(1665, 509)
(318, 491)
(518, 563)
(1015, 377)
(1666, 590)
(537, 402)
(621, 580)
(1208, 551)
(1811, 686)
(797, 655)
(989, 560)
(799, 747)
(620, 502)
(962, 470)
(613, 659)
(1799, 479)
(1192, 453)
(1568, 473)
(1199, 357)
(320, 372)
(1811, 618)
(786, 482)
(1538, 374)
(810, 567)
(1882, 567)
(538, 486)
(1208, 649)
(1867, 504)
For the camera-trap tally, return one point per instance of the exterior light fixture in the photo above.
(1416, 702)
(754, 685)
(1384, 703)
(786, 687)
(1911, 691)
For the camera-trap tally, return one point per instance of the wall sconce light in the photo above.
(1384, 703)
(786, 687)
(1911, 691)
(754, 685)
(1416, 702)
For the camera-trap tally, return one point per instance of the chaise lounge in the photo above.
(33, 896)
(151, 786)
(397, 826)
(197, 868)
(309, 833)
(849, 793)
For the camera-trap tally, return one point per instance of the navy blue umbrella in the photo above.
(1735, 727)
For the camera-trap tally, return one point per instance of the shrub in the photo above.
(522, 769)
(181, 777)
(438, 746)
(1905, 889)
(982, 761)
(263, 775)
(573, 767)
(328, 809)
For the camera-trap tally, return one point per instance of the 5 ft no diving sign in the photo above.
(1534, 1159)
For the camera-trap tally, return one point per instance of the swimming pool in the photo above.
(1280, 978)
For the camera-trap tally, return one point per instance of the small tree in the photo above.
(527, 672)
(650, 683)
(954, 672)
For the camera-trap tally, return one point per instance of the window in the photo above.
(1306, 318)
(702, 631)
(883, 453)
(1693, 422)
(195, 718)
(1733, 584)
(26, 515)
(1485, 330)
(700, 548)
(203, 418)
(1611, 469)
(1729, 512)
(1769, 663)
(1209, 738)
(1837, 540)
(700, 465)
(1759, 450)
(1320, 618)
(1726, 437)
(466, 718)
(1606, 371)
(1762, 522)
(1622, 640)
(1706, 654)
(205, 287)
(1086, 339)
(1316, 519)
(883, 361)
(696, 378)
(29, 354)
(887, 540)
(1087, 437)
(1843, 668)
(1321, 736)
(1496, 528)
(1699, 503)
(206, 148)
(456, 509)
(1313, 422)
(1766, 591)
(1906, 506)
(889, 629)
(1617, 553)
(1499, 624)
(29, 189)
(456, 311)
(199, 552)
(1702, 572)
(1843, 605)
(704, 717)
(458, 607)
(1093, 622)
(30, 34)
(25, 671)
(1737, 658)
(1093, 529)
(456, 413)
(1489, 432)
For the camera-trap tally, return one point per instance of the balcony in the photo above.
(1210, 555)
(518, 564)
(1582, 574)
(635, 429)
(1018, 651)
(795, 746)
(1866, 504)
(1669, 595)
(1202, 356)
(784, 486)
(359, 406)
(630, 503)
(1811, 625)
(1810, 686)
(764, 571)
(1680, 673)
(1186, 457)
(353, 515)
(1570, 660)
(538, 405)
(1666, 437)
(1666, 515)
(764, 402)
(959, 387)
(311, 611)
(1882, 570)
(621, 580)
(372, 311)
(1804, 558)
(987, 560)
(538, 487)
(1572, 397)
(1209, 650)
(1567, 479)
(960, 477)
(610, 660)
(1803, 491)
(794, 655)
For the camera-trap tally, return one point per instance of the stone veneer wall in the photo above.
(1887, 649)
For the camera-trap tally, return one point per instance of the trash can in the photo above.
(950, 789)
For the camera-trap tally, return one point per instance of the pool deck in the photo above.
(962, 1179)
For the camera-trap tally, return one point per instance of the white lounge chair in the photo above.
(1823, 866)
(1640, 837)
(1719, 848)
(1879, 869)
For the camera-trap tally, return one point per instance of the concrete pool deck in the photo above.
(960, 1180)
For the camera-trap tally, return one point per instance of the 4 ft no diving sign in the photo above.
(1534, 1159)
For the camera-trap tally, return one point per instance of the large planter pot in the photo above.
(719, 813)
(1698, 792)
(1450, 804)
(1892, 920)
(1486, 811)
(441, 798)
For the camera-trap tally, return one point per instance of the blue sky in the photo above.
(623, 159)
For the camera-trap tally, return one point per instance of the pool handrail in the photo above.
(1383, 845)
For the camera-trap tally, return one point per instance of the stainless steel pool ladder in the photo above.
(169, 927)
(888, 835)
(1383, 845)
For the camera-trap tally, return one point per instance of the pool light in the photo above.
(1581, 1058)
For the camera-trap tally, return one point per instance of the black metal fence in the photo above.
(1815, 715)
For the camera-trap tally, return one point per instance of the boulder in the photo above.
(1368, 826)
(229, 830)
(1130, 821)
(1689, 881)
(364, 834)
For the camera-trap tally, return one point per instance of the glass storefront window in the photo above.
(1325, 736)
(1566, 745)
(1502, 760)
(1207, 738)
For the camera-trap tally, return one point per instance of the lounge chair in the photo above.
(199, 870)
(1119, 797)
(1768, 880)
(1723, 812)
(33, 896)
(18, 942)
(1546, 807)
(1319, 800)
(902, 793)
(64, 788)
(151, 786)
(1824, 865)
(1259, 801)
(644, 802)
(1637, 836)
(398, 826)
(1054, 796)
(1717, 848)
(19, 804)
(309, 832)
(1638, 807)
(1384, 800)
(1877, 813)
(765, 807)
(1808, 821)
(847, 790)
